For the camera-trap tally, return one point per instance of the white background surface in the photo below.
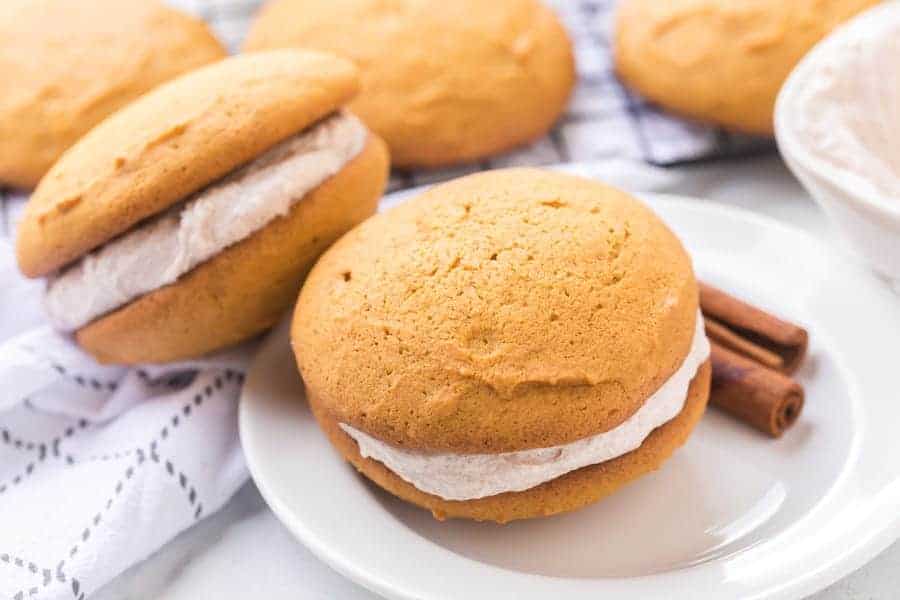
(245, 552)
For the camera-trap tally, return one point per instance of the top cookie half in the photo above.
(172, 142)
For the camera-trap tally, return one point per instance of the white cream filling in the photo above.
(159, 251)
(470, 476)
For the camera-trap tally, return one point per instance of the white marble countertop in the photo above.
(243, 551)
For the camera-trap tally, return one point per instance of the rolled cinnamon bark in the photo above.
(762, 397)
(726, 337)
(751, 331)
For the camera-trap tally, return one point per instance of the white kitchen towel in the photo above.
(101, 465)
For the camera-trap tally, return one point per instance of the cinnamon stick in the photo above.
(729, 339)
(762, 397)
(752, 332)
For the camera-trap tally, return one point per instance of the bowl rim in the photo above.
(795, 152)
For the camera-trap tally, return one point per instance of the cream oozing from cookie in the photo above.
(471, 476)
(162, 249)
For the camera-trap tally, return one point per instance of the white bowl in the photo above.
(854, 174)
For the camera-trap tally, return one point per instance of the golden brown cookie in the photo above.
(717, 60)
(565, 493)
(556, 297)
(443, 82)
(67, 64)
(502, 312)
(172, 142)
(134, 177)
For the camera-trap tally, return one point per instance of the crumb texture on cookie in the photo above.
(718, 60)
(67, 64)
(245, 289)
(443, 81)
(502, 311)
(172, 142)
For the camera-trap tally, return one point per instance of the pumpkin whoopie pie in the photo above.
(443, 82)
(508, 345)
(66, 65)
(186, 221)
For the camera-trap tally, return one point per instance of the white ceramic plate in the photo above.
(732, 515)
